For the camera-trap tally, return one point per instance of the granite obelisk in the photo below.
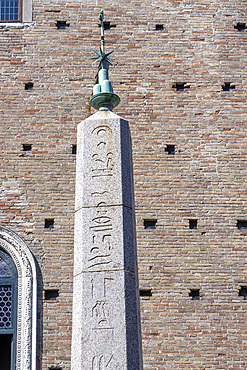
(106, 332)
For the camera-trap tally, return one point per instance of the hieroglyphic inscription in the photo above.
(100, 257)
(103, 317)
(107, 281)
(102, 157)
(101, 226)
(101, 310)
(100, 362)
(100, 254)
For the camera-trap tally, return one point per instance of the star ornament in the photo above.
(102, 57)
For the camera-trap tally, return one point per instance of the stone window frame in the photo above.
(26, 13)
(26, 329)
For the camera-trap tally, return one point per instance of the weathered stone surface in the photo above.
(107, 235)
(106, 322)
(103, 163)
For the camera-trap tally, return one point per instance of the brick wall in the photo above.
(203, 180)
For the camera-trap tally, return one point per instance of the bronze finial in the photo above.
(103, 97)
(102, 57)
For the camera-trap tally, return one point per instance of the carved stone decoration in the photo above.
(27, 298)
(106, 319)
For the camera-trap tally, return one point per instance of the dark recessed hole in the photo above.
(181, 86)
(170, 149)
(52, 11)
(49, 223)
(194, 294)
(74, 149)
(243, 292)
(108, 25)
(193, 224)
(241, 27)
(55, 367)
(150, 224)
(61, 25)
(29, 86)
(145, 292)
(27, 147)
(51, 294)
(159, 27)
(242, 224)
(227, 86)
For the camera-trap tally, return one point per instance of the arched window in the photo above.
(8, 309)
(18, 300)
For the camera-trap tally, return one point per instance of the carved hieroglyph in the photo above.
(106, 322)
(27, 298)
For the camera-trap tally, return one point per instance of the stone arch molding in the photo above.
(27, 298)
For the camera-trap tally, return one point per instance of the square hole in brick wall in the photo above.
(150, 224)
(49, 223)
(193, 224)
(51, 294)
(108, 25)
(242, 224)
(55, 367)
(159, 27)
(27, 147)
(74, 149)
(62, 25)
(181, 86)
(194, 294)
(228, 86)
(170, 149)
(241, 27)
(243, 292)
(29, 86)
(145, 292)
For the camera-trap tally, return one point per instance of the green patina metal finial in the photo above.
(102, 57)
(103, 97)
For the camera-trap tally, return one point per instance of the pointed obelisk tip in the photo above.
(103, 97)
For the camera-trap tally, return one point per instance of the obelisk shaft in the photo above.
(106, 323)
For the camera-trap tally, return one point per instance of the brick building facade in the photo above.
(180, 70)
